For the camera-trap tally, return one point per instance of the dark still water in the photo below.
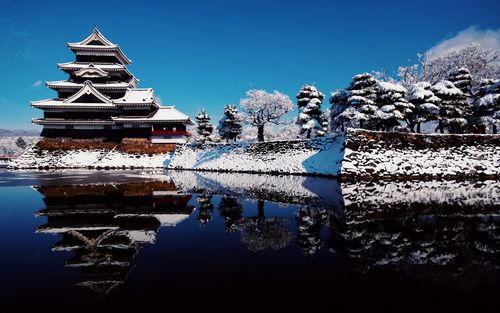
(184, 241)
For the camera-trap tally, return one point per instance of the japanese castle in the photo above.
(100, 100)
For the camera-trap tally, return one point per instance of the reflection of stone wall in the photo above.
(284, 188)
(446, 231)
(372, 155)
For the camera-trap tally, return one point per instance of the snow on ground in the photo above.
(90, 158)
(8, 144)
(359, 154)
(389, 155)
(316, 156)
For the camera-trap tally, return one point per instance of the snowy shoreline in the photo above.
(356, 155)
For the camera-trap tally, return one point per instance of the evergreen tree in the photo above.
(462, 79)
(229, 126)
(21, 143)
(361, 108)
(487, 106)
(310, 117)
(393, 106)
(205, 209)
(231, 211)
(310, 221)
(454, 109)
(204, 128)
(338, 101)
(425, 102)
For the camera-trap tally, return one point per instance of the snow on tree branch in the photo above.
(262, 108)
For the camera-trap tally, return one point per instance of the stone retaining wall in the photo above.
(375, 155)
(356, 155)
(320, 156)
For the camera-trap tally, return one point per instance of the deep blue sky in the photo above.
(208, 53)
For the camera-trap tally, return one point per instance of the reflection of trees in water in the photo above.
(205, 210)
(451, 243)
(231, 211)
(261, 233)
(310, 221)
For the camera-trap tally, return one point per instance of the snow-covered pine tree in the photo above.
(310, 118)
(393, 106)
(229, 125)
(462, 79)
(487, 105)
(310, 221)
(454, 110)
(362, 107)
(231, 211)
(325, 124)
(21, 143)
(205, 210)
(426, 104)
(204, 128)
(338, 101)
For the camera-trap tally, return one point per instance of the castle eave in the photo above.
(53, 121)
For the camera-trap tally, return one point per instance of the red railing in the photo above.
(170, 133)
(6, 157)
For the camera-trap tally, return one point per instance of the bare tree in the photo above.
(482, 64)
(262, 108)
(263, 233)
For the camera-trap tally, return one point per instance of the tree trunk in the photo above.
(418, 127)
(308, 133)
(494, 130)
(260, 208)
(260, 133)
(440, 127)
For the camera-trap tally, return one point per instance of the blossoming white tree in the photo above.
(262, 108)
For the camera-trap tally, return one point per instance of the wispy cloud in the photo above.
(18, 42)
(24, 53)
(489, 39)
(36, 84)
(21, 34)
(4, 20)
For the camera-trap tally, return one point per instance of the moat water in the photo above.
(183, 241)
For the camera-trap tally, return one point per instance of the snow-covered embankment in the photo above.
(391, 155)
(360, 154)
(321, 156)
(77, 154)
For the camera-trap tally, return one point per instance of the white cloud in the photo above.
(489, 39)
(38, 83)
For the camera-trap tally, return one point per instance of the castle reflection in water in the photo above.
(445, 231)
